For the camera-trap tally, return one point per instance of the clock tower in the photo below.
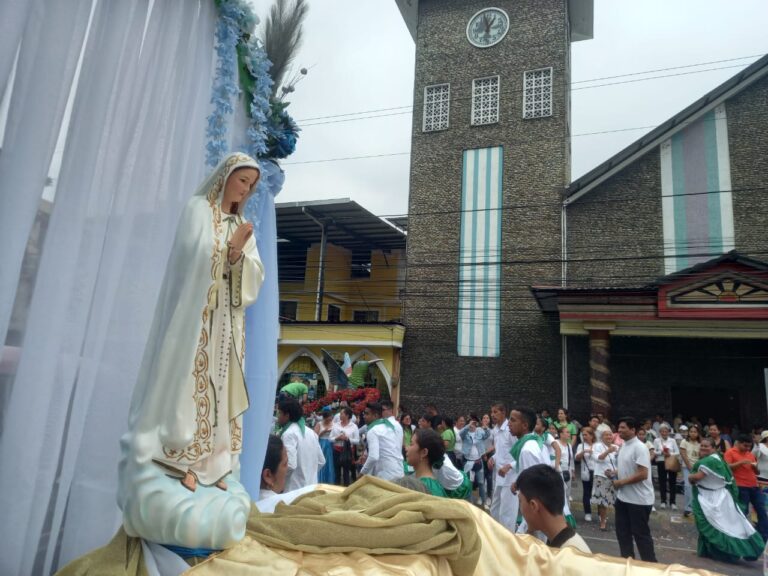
(490, 159)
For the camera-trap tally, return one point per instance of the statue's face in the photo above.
(239, 186)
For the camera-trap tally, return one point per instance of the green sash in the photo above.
(302, 426)
(518, 446)
(381, 421)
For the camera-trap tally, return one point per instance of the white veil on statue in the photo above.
(174, 406)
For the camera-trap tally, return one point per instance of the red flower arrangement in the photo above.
(357, 399)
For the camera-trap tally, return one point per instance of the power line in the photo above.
(513, 141)
(558, 204)
(376, 110)
(457, 97)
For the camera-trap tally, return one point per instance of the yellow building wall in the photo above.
(378, 292)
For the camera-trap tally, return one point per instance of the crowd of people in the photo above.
(520, 466)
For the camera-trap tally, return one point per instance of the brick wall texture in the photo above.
(615, 238)
(614, 233)
(536, 165)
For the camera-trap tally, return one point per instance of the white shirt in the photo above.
(458, 446)
(608, 463)
(305, 457)
(385, 453)
(566, 457)
(549, 450)
(449, 477)
(503, 441)
(660, 443)
(634, 453)
(337, 418)
(761, 453)
(398, 428)
(586, 461)
(350, 430)
(530, 455)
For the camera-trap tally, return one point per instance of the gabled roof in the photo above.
(617, 162)
(547, 296)
(729, 257)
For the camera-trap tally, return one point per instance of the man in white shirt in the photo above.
(634, 494)
(387, 411)
(504, 504)
(305, 457)
(385, 451)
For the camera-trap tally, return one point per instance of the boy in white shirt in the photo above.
(385, 450)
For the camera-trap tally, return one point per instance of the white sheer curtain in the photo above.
(52, 36)
(134, 153)
(13, 18)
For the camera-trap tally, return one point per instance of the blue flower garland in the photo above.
(271, 133)
(258, 66)
(225, 85)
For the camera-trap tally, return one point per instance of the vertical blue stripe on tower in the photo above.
(479, 253)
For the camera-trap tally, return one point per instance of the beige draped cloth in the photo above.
(374, 528)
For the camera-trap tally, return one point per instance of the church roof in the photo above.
(548, 296)
(619, 161)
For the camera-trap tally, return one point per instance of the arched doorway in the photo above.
(304, 363)
(365, 354)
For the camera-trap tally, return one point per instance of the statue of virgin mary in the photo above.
(179, 472)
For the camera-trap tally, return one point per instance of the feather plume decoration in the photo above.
(282, 37)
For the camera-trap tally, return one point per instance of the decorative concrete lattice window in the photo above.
(437, 100)
(537, 93)
(485, 100)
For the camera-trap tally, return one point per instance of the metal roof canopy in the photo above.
(349, 225)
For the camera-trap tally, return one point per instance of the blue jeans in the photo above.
(755, 496)
(479, 482)
(688, 490)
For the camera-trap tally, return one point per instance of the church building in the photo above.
(641, 287)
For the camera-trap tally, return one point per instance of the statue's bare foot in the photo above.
(189, 481)
(221, 485)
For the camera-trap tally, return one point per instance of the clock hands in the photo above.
(486, 23)
(487, 27)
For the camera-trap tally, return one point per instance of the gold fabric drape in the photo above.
(310, 538)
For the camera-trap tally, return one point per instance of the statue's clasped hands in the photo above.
(237, 241)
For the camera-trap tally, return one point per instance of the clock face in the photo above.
(488, 27)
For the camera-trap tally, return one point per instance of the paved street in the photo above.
(674, 537)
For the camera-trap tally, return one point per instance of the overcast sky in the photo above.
(362, 58)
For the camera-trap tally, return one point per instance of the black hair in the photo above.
(448, 421)
(541, 482)
(529, 416)
(387, 405)
(274, 453)
(348, 411)
(473, 416)
(500, 406)
(744, 439)
(432, 441)
(628, 421)
(709, 441)
(374, 407)
(291, 408)
(435, 421)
